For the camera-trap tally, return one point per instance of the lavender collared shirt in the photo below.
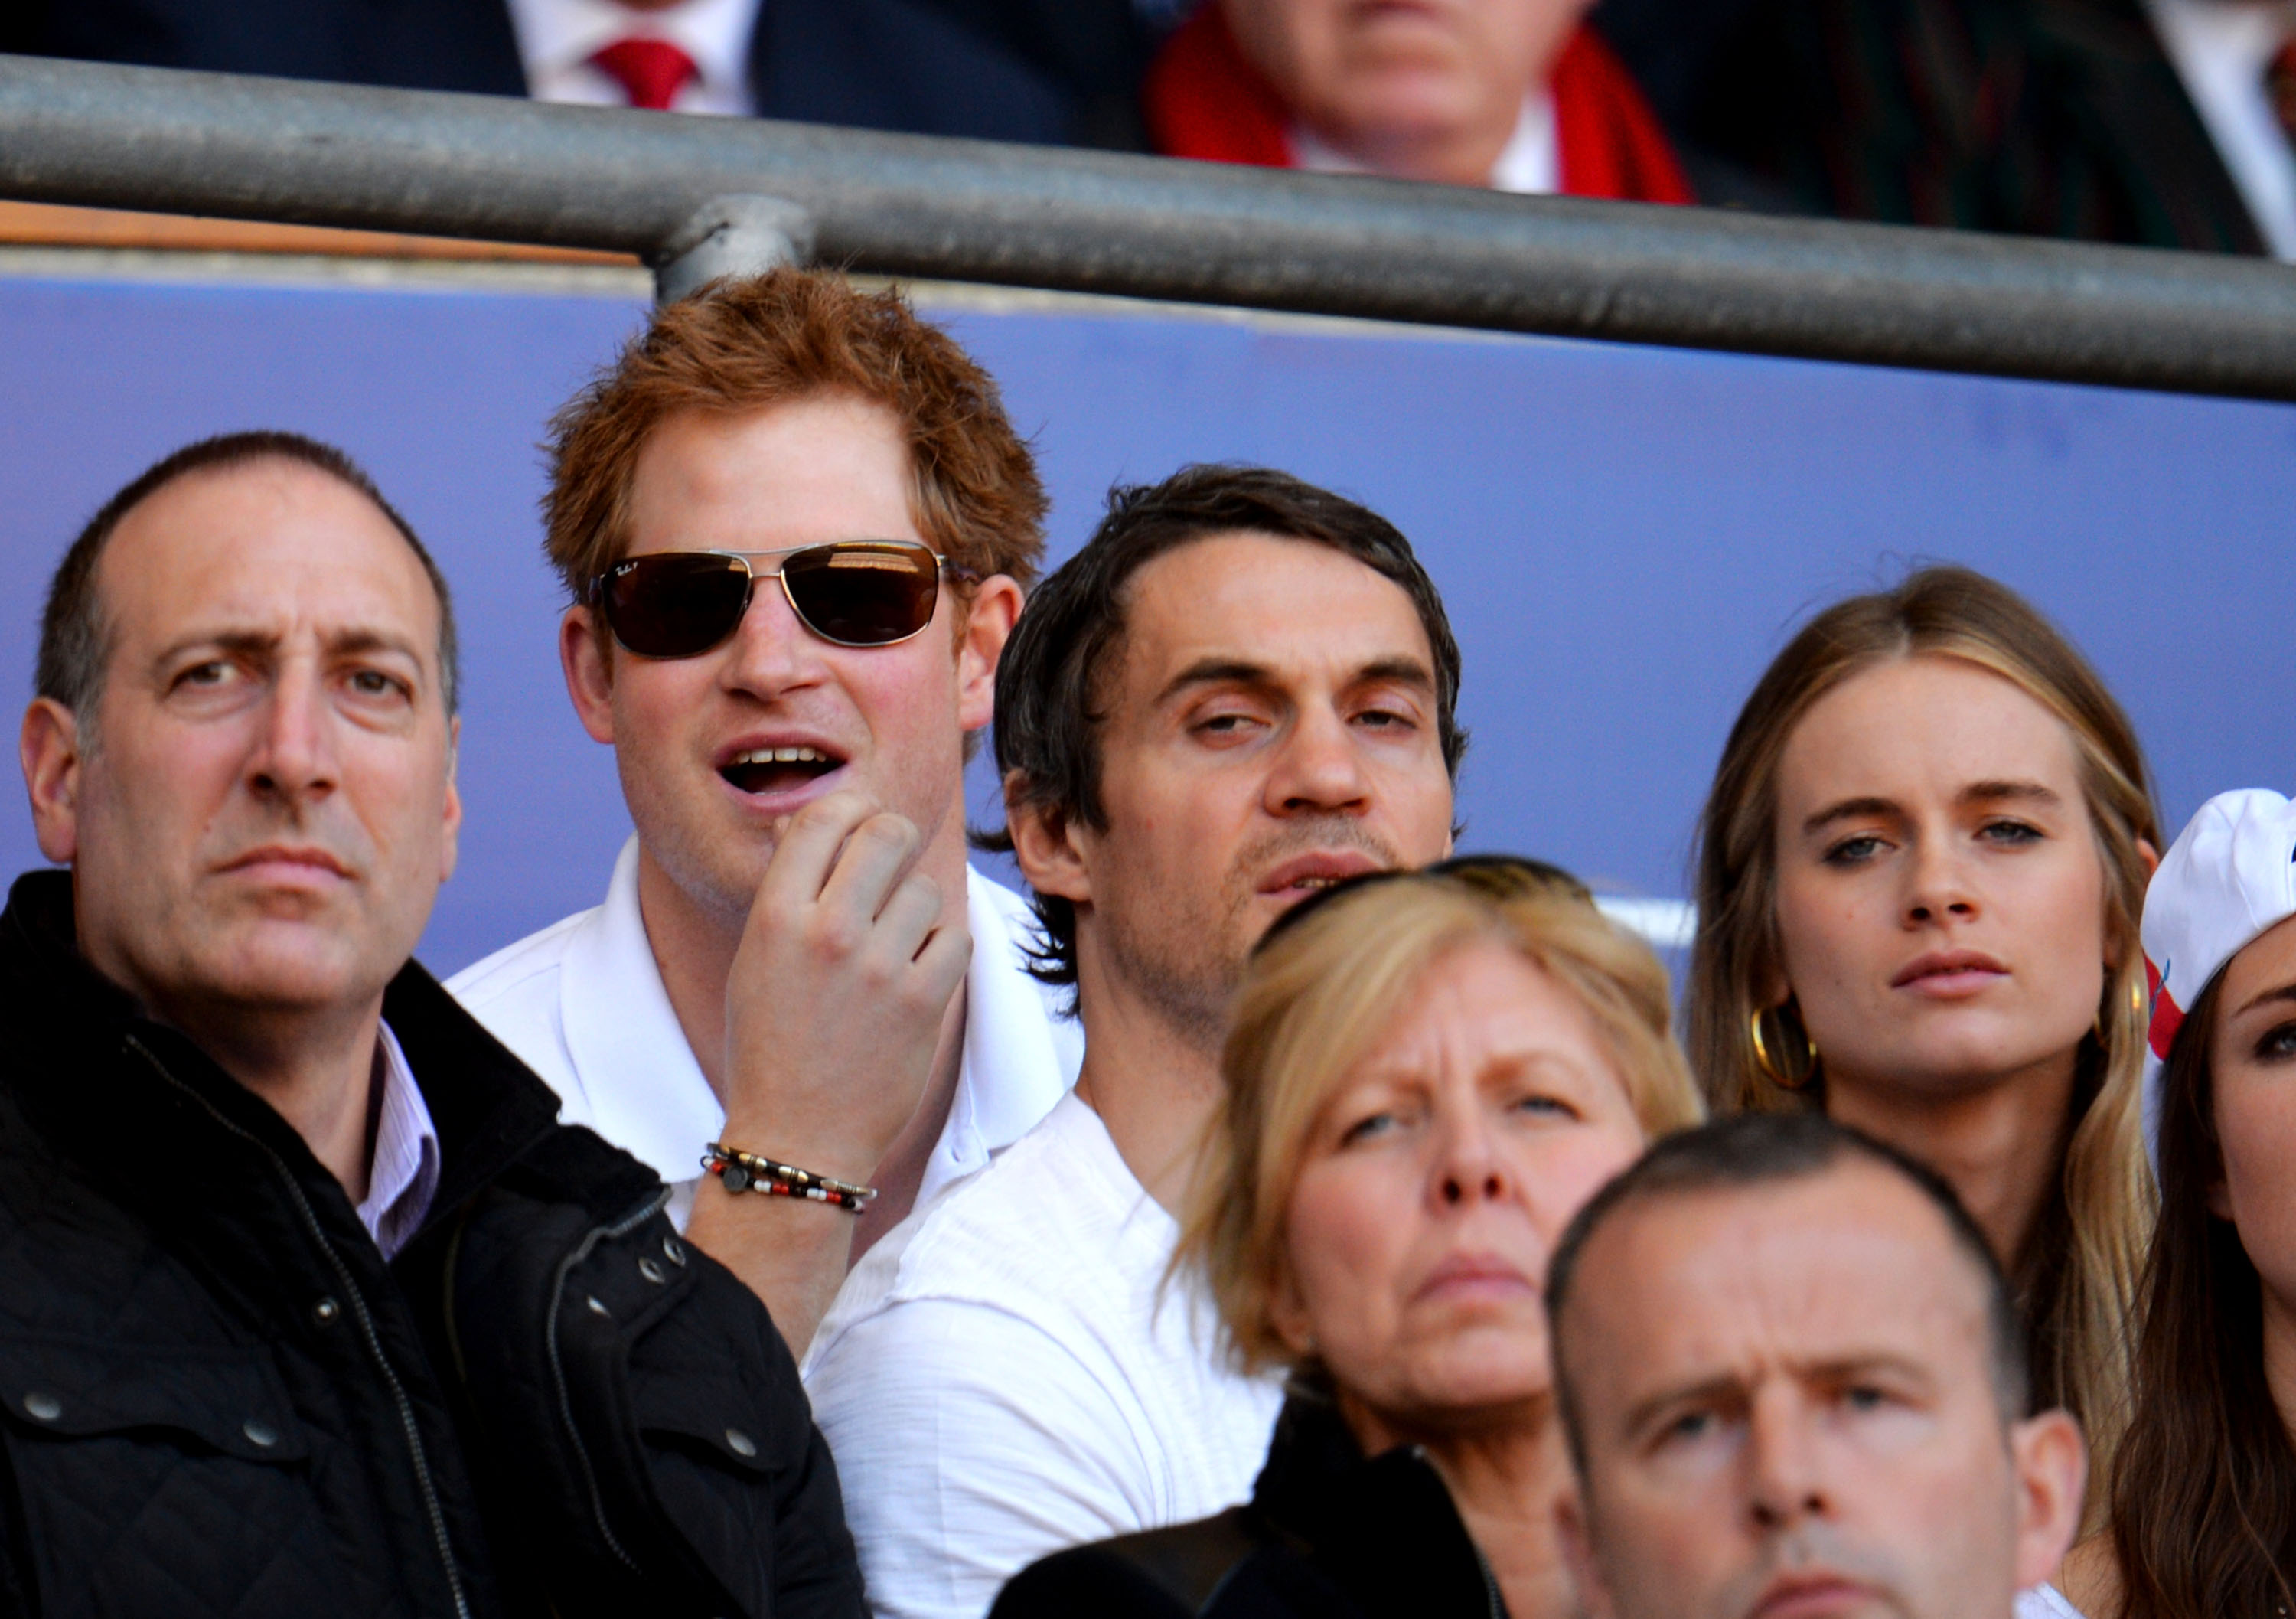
(404, 1174)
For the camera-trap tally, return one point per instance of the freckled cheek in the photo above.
(655, 701)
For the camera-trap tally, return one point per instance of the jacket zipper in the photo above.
(1490, 1586)
(359, 1312)
(619, 1230)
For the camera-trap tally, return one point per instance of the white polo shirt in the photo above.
(582, 1004)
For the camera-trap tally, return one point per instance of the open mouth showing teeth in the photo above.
(1313, 882)
(777, 769)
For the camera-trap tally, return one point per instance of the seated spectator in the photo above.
(2161, 124)
(1427, 1075)
(2204, 1499)
(1921, 868)
(1515, 95)
(1044, 70)
(1792, 1379)
(306, 1304)
(1241, 691)
(795, 525)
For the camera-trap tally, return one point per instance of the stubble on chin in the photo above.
(716, 867)
(1184, 968)
(1186, 962)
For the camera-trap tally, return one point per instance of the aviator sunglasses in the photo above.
(850, 592)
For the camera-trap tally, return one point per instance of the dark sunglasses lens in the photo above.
(863, 594)
(677, 604)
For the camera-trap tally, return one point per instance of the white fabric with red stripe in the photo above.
(2230, 876)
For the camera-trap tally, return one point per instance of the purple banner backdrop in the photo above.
(1625, 535)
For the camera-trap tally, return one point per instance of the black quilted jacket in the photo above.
(216, 1398)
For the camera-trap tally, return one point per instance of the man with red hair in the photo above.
(1515, 94)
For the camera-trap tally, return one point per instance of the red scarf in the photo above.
(1203, 100)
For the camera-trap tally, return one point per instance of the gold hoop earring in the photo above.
(2140, 1004)
(1770, 1068)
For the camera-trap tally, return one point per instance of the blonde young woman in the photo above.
(1427, 1075)
(1920, 876)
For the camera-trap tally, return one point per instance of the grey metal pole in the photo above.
(968, 210)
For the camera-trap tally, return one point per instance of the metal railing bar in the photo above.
(503, 169)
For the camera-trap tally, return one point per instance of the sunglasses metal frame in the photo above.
(943, 568)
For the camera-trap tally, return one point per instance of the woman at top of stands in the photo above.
(2204, 1501)
(1427, 1075)
(1919, 879)
(1516, 94)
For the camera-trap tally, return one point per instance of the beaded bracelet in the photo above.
(741, 1171)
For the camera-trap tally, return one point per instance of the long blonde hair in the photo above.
(1317, 997)
(2079, 1279)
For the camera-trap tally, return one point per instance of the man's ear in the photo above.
(589, 676)
(1047, 844)
(450, 847)
(2052, 1466)
(1578, 1556)
(49, 748)
(994, 610)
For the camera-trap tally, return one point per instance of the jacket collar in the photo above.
(1384, 1524)
(487, 1108)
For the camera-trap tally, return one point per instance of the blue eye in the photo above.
(1853, 851)
(2277, 1044)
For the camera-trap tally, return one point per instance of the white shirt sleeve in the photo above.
(969, 1444)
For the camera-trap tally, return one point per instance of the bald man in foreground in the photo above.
(1793, 1381)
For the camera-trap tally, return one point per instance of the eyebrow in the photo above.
(1840, 1369)
(1242, 672)
(1640, 1414)
(1976, 793)
(2285, 992)
(258, 642)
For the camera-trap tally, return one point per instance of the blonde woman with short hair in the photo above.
(1425, 1076)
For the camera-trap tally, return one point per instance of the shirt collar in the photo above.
(1021, 1053)
(556, 34)
(1530, 161)
(647, 1095)
(403, 1175)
